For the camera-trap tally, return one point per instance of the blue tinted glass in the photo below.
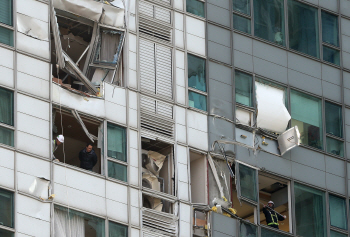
(248, 230)
(244, 88)
(195, 7)
(6, 36)
(117, 171)
(242, 6)
(335, 147)
(196, 72)
(116, 142)
(6, 208)
(6, 136)
(197, 101)
(337, 212)
(334, 124)
(241, 23)
(6, 12)
(337, 234)
(117, 230)
(331, 55)
(5, 233)
(330, 29)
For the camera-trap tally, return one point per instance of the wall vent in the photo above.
(156, 223)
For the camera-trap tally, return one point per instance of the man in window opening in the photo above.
(271, 216)
(55, 143)
(87, 157)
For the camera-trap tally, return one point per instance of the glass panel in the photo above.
(337, 234)
(241, 23)
(244, 88)
(307, 115)
(330, 29)
(195, 7)
(334, 124)
(117, 230)
(310, 212)
(197, 101)
(242, 6)
(117, 171)
(6, 106)
(269, 20)
(74, 223)
(6, 36)
(270, 233)
(6, 136)
(248, 230)
(116, 142)
(331, 55)
(6, 12)
(248, 182)
(303, 28)
(5, 233)
(196, 72)
(337, 212)
(6, 208)
(108, 47)
(334, 146)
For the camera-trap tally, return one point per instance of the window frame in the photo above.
(7, 228)
(193, 14)
(10, 27)
(7, 126)
(328, 206)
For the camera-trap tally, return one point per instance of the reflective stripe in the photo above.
(273, 220)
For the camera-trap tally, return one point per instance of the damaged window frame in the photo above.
(8, 229)
(8, 127)
(9, 27)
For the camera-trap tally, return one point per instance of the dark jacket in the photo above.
(272, 217)
(87, 159)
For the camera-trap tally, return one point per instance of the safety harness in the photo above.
(273, 220)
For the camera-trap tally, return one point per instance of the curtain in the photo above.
(68, 225)
(109, 46)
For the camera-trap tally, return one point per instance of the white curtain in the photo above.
(68, 225)
(109, 46)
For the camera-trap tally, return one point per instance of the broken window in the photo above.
(275, 189)
(6, 18)
(337, 212)
(68, 222)
(306, 113)
(334, 129)
(6, 117)
(117, 230)
(197, 88)
(78, 131)
(6, 209)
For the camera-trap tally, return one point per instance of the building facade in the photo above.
(186, 104)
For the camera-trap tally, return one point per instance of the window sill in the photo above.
(197, 110)
(78, 169)
(7, 228)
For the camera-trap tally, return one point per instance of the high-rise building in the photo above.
(174, 118)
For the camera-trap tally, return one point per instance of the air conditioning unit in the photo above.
(152, 161)
(150, 181)
(288, 140)
(152, 203)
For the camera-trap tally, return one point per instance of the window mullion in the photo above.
(320, 33)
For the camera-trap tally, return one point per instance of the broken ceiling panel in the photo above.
(57, 40)
(113, 16)
(78, 118)
(32, 27)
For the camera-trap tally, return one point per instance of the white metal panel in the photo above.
(33, 208)
(133, 100)
(29, 184)
(7, 177)
(195, 27)
(178, 4)
(6, 78)
(181, 94)
(117, 211)
(134, 175)
(179, 21)
(183, 174)
(182, 190)
(34, 9)
(132, 23)
(33, 46)
(198, 139)
(89, 9)
(135, 216)
(6, 58)
(115, 112)
(181, 133)
(133, 139)
(79, 180)
(32, 85)
(180, 59)
(33, 144)
(181, 154)
(179, 38)
(147, 66)
(25, 104)
(132, 61)
(116, 192)
(164, 80)
(133, 118)
(185, 229)
(134, 197)
(162, 14)
(180, 115)
(195, 44)
(132, 79)
(185, 213)
(33, 67)
(32, 226)
(33, 125)
(134, 157)
(33, 27)
(146, 9)
(113, 16)
(180, 77)
(135, 232)
(132, 8)
(7, 158)
(132, 42)
(115, 94)
(33, 166)
(197, 120)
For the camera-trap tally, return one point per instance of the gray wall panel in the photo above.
(346, 43)
(220, 129)
(220, 72)
(345, 7)
(245, 155)
(219, 35)
(331, 74)
(218, 15)
(243, 61)
(243, 43)
(269, 53)
(347, 144)
(332, 91)
(346, 60)
(308, 157)
(304, 65)
(347, 116)
(347, 130)
(345, 26)
(219, 52)
(275, 164)
(224, 224)
(309, 175)
(305, 82)
(220, 3)
(331, 5)
(346, 79)
(335, 166)
(220, 90)
(335, 183)
(219, 234)
(312, 1)
(270, 70)
(346, 96)
(220, 107)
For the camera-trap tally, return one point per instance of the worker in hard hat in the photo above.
(55, 143)
(271, 216)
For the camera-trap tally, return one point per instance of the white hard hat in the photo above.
(60, 138)
(271, 202)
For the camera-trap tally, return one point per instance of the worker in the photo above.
(271, 216)
(87, 157)
(55, 143)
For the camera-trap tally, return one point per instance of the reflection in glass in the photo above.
(244, 88)
(117, 171)
(331, 55)
(197, 101)
(334, 124)
(310, 211)
(248, 182)
(337, 234)
(195, 7)
(269, 20)
(242, 6)
(335, 147)
(306, 113)
(196, 73)
(6, 36)
(241, 23)
(303, 28)
(337, 212)
(116, 142)
(6, 208)
(330, 28)
(248, 230)
(117, 230)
